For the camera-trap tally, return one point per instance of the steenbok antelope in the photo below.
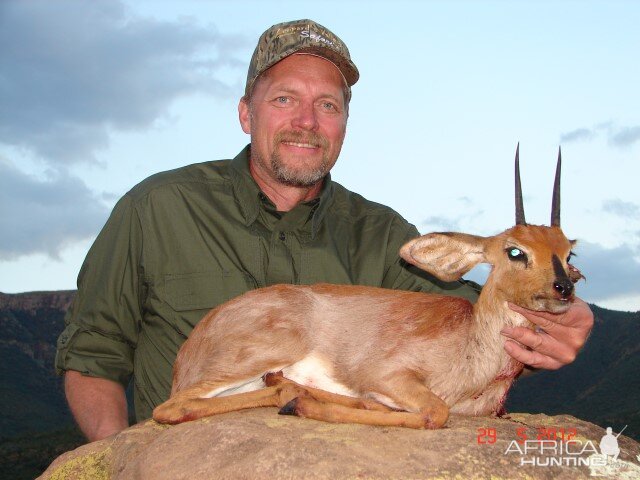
(358, 354)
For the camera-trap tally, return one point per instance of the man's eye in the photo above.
(283, 100)
(328, 106)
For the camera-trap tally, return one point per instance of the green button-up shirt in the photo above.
(183, 241)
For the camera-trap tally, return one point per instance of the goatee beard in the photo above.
(294, 177)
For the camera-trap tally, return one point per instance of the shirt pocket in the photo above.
(205, 290)
(188, 297)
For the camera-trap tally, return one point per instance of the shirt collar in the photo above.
(320, 209)
(245, 188)
(248, 193)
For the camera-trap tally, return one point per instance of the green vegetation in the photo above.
(602, 386)
(26, 456)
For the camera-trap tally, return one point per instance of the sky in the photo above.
(96, 96)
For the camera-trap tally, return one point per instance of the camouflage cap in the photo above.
(299, 36)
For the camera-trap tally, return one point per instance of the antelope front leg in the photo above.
(190, 404)
(273, 379)
(424, 408)
(309, 407)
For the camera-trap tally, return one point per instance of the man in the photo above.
(184, 241)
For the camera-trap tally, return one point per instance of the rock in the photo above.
(259, 443)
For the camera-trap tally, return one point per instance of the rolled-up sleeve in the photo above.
(101, 328)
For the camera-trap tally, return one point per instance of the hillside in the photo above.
(601, 386)
(39, 426)
(29, 327)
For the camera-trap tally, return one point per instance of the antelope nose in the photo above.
(564, 287)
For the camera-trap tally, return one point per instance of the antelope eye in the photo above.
(516, 254)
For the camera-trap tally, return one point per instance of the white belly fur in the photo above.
(235, 388)
(311, 371)
(314, 371)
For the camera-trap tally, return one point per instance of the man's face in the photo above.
(297, 118)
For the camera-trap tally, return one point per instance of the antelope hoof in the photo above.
(289, 408)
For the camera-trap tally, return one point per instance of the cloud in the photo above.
(626, 210)
(45, 216)
(625, 136)
(610, 272)
(616, 136)
(442, 224)
(459, 223)
(72, 71)
(575, 135)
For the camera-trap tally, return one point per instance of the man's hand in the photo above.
(98, 405)
(558, 339)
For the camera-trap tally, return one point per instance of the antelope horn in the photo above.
(555, 205)
(519, 205)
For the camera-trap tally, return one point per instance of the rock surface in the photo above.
(261, 444)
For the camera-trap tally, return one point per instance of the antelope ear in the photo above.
(448, 256)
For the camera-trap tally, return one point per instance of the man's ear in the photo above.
(244, 114)
(448, 256)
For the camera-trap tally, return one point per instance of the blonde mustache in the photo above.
(314, 139)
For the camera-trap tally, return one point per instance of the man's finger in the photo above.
(542, 343)
(524, 336)
(529, 357)
(544, 320)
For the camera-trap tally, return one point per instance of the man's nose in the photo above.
(305, 117)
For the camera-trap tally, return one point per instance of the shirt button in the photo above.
(282, 236)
